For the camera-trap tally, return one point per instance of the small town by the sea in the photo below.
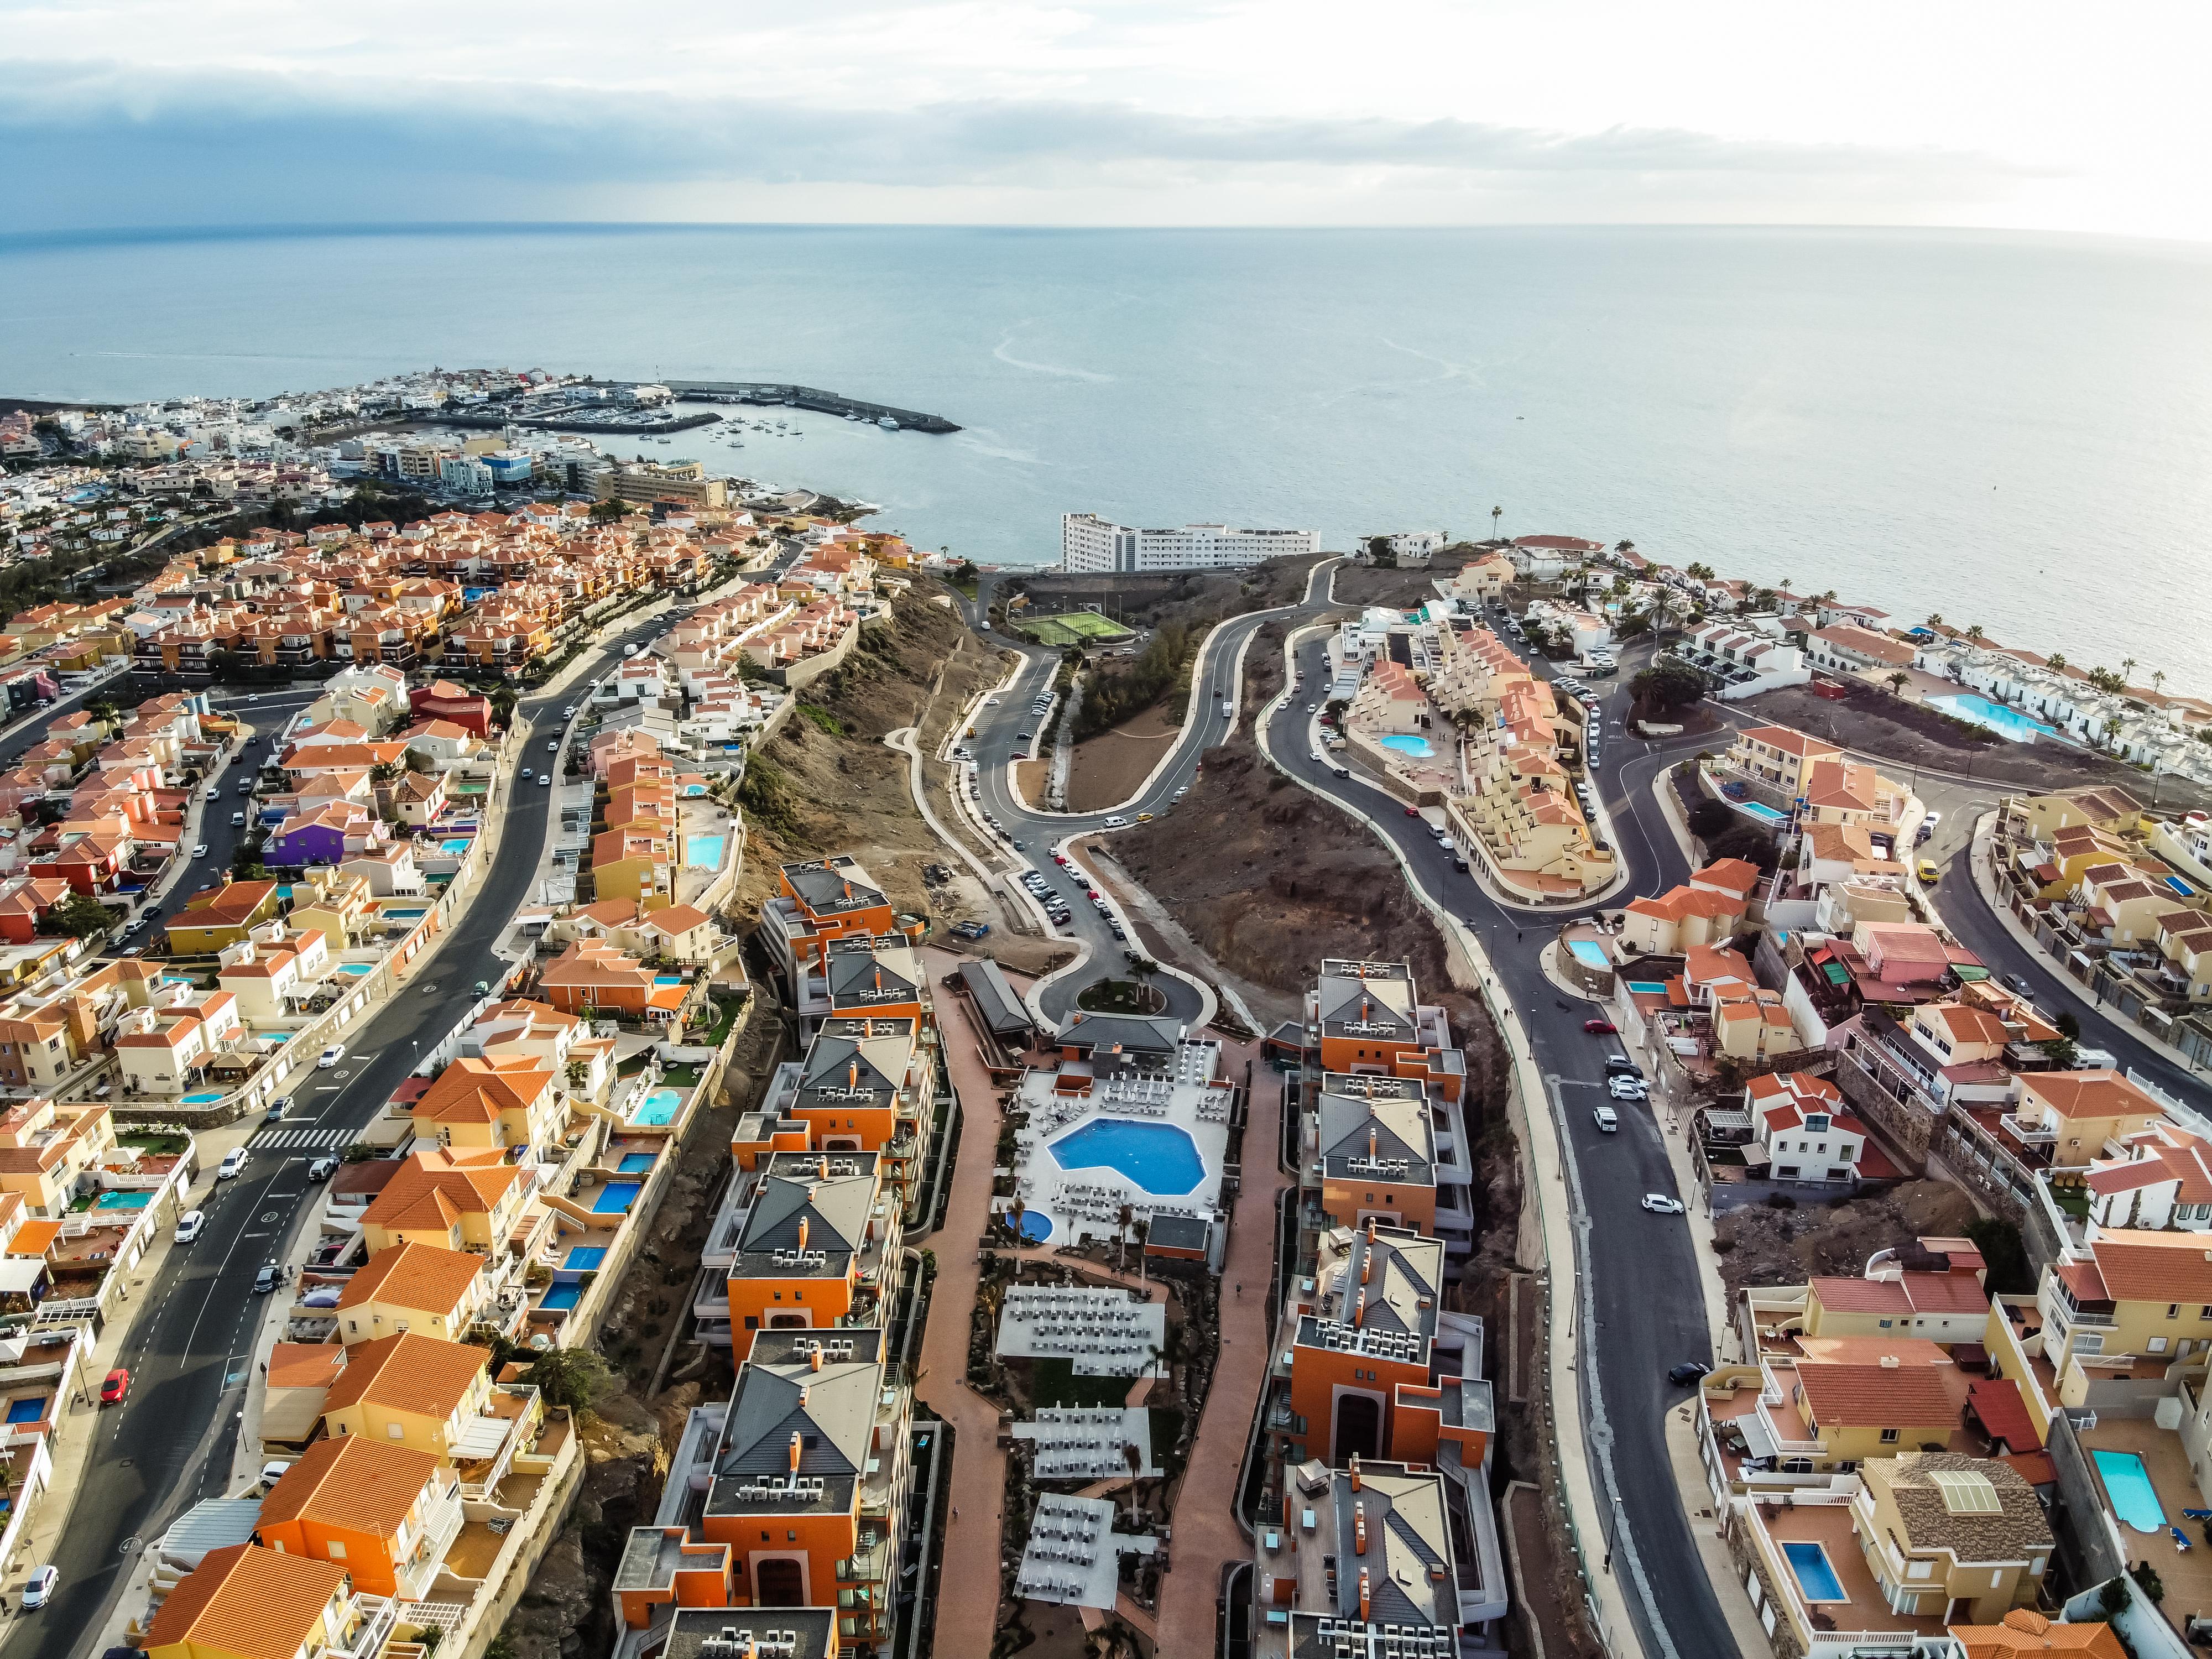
(604, 1057)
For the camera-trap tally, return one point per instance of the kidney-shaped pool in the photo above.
(1159, 1157)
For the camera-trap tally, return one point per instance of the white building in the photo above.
(1091, 544)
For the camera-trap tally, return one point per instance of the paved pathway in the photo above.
(1206, 1530)
(968, 1600)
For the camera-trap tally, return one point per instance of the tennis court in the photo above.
(1071, 628)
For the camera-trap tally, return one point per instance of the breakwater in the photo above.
(765, 393)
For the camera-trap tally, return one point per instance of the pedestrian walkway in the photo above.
(967, 1613)
(1207, 1533)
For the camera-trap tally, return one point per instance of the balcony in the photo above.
(486, 1446)
(380, 1615)
(442, 1523)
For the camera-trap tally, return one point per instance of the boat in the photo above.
(888, 424)
(850, 416)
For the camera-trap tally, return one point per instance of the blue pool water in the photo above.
(1159, 1157)
(1589, 953)
(1648, 988)
(668, 979)
(357, 969)
(616, 1197)
(1760, 811)
(27, 1411)
(2008, 723)
(1035, 1227)
(204, 1097)
(690, 789)
(2135, 1500)
(703, 851)
(122, 1200)
(1406, 743)
(561, 1296)
(407, 915)
(585, 1257)
(659, 1108)
(459, 845)
(1810, 1562)
(634, 1164)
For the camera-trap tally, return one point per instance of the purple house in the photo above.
(320, 836)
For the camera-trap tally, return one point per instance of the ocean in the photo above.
(2012, 430)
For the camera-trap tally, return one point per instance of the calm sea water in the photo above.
(2011, 430)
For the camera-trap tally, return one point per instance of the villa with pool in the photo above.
(1134, 1115)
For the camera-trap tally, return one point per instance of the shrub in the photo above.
(1780, 1201)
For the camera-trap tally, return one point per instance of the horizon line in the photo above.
(277, 230)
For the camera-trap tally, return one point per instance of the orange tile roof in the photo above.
(413, 1275)
(2025, 1632)
(1875, 1395)
(472, 1090)
(2088, 1094)
(351, 1481)
(421, 1375)
(242, 1598)
(461, 1187)
(305, 1364)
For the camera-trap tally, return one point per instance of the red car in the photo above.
(1412, 811)
(117, 1385)
(1599, 1027)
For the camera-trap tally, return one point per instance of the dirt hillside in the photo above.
(1763, 1245)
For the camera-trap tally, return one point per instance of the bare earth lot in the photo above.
(1107, 767)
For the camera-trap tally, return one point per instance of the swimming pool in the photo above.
(616, 1197)
(2127, 1483)
(28, 1410)
(1760, 811)
(1406, 743)
(1814, 1575)
(1589, 953)
(703, 851)
(357, 969)
(458, 844)
(1035, 1227)
(634, 1163)
(560, 1298)
(204, 1097)
(1648, 988)
(668, 979)
(1159, 1157)
(2008, 723)
(659, 1108)
(122, 1200)
(407, 915)
(585, 1257)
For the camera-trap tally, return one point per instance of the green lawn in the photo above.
(1054, 1383)
(1071, 628)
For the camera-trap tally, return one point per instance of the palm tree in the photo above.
(1122, 1237)
(1144, 1231)
(2057, 660)
(1935, 619)
(1494, 514)
(1017, 1210)
(1135, 1460)
(2127, 669)
(2158, 681)
(1974, 631)
(1897, 683)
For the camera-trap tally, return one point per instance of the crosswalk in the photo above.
(280, 1140)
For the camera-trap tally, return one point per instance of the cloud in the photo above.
(97, 144)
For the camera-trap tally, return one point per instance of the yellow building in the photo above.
(2071, 1114)
(221, 915)
(2038, 818)
(1962, 1538)
(416, 1287)
(338, 905)
(1860, 1397)
(470, 1201)
(511, 1101)
(417, 1390)
(243, 1602)
(2138, 1295)
(46, 1149)
(1778, 756)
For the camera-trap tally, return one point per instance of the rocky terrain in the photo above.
(1759, 1245)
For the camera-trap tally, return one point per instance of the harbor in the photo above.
(765, 393)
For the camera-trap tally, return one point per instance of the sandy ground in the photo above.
(1109, 767)
(1786, 1247)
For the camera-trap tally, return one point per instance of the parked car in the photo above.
(1600, 1027)
(238, 820)
(330, 1057)
(116, 1389)
(1687, 1372)
(1621, 1065)
(200, 851)
(323, 1168)
(1930, 875)
(234, 1161)
(189, 1226)
(38, 1588)
(268, 1279)
(545, 781)
(553, 745)
(1628, 1088)
(272, 1473)
(1607, 1120)
(1660, 1204)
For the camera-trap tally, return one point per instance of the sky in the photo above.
(2025, 114)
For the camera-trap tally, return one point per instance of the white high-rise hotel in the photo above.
(1089, 544)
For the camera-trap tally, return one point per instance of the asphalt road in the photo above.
(1645, 1309)
(190, 1355)
(1031, 835)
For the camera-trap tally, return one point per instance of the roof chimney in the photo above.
(802, 1233)
(794, 1451)
(1366, 1263)
(853, 1073)
(1370, 1142)
(1890, 1362)
(803, 1390)
(1360, 1311)
(1364, 1603)
(821, 1166)
(1359, 1529)
(816, 1362)
(1355, 1471)
(1371, 1229)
